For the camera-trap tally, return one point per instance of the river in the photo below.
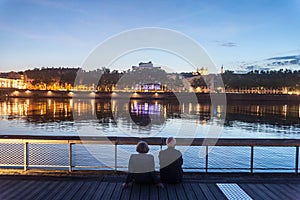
(142, 118)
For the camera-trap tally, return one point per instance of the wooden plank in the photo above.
(79, 194)
(278, 191)
(180, 192)
(117, 192)
(144, 191)
(189, 191)
(53, 185)
(153, 193)
(69, 192)
(4, 183)
(126, 192)
(249, 191)
(266, 191)
(265, 194)
(206, 191)
(163, 193)
(91, 191)
(215, 190)
(35, 189)
(290, 190)
(283, 190)
(171, 191)
(58, 190)
(100, 190)
(252, 192)
(197, 191)
(135, 192)
(295, 187)
(44, 186)
(24, 188)
(4, 187)
(19, 184)
(108, 191)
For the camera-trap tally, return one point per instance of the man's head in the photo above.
(170, 142)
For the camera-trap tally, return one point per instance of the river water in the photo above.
(141, 118)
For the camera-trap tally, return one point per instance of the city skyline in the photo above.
(62, 34)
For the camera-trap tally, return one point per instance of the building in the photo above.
(201, 71)
(151, 87)
(13, 83)
(148, 65)
(144, 85)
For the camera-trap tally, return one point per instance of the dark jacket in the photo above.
(170, 161)
(141, 169)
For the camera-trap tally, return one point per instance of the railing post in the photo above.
(70, 157)
(116, 158)
(25, 156)
(206, 159)
(251, 159)
(297, 160)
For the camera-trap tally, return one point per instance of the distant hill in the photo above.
(12, 75)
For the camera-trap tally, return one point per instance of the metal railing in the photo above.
(17, 152)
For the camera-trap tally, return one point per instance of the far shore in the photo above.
(185, 96)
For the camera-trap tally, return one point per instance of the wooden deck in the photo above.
(109, 187)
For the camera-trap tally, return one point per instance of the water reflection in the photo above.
(146, 115)
(40, 110)
(275, 114)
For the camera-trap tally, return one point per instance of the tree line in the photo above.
(105, 79)
(255, 79)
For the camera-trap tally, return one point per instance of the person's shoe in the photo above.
(124, 185)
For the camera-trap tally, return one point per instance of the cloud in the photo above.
(226, 43)
(273, 63)
(285, 57)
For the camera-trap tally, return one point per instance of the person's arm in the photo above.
(152, 163)
(130, 164)
(181, 159)
(129, 173)
(159, 158)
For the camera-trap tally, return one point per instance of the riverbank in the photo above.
(216, 97)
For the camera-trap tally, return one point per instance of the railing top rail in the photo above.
(149, 140)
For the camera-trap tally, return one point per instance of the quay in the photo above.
(159, 95)
(109, 186)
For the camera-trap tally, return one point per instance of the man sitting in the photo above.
(170, 161)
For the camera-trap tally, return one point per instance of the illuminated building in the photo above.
(13, 83)
(201, 71)
(148, 65)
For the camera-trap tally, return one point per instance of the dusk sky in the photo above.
(45, 33)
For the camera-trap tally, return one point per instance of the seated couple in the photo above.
(141, 166)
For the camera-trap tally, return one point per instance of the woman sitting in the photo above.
(141, 167)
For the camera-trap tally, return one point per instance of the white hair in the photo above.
(171, 142)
